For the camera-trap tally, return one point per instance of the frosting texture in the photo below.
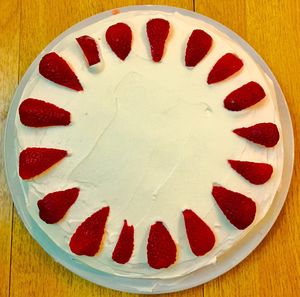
(150, 140)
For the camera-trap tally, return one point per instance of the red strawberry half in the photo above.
(157, 32)
(119, 37)
(239, 209)
(88, 236)
(198, 45)
(35, 160)
(56, 69)
(265, 134)
(255, 173)
(38, 113)
(161, 249)
(54, 205)
(89, 48)
(225, 67)
(200, 236)
(124, 247)
(244, 97)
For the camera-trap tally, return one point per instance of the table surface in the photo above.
(271, 27)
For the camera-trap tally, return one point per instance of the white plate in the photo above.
(18, 188)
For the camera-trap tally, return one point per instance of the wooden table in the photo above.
(271, 27)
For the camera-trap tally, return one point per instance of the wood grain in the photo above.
(27, 26)
(9, 60)
(231, 14)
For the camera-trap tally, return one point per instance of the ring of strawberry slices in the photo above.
(161, 251)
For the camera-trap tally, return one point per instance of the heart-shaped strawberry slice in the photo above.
(255, 173)
(124, 247)
(200, 236)
(119, 37)
(157, 32)
(38, 113)
(56, 69)
(266, 134)
(88, 236)
(89, 48)
(239, 209)
(244, 97)
(35, 160)
(224, 67)
(198, 46)
(54, 206)
(161, 248)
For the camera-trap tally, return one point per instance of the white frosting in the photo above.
(149, 140)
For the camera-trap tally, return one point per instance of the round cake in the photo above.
(150, 143)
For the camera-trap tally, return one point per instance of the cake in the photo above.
(150, 143)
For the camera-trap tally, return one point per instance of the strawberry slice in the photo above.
(35, 160)
(225, 67)
(239, 209)
(89, 48)
(56, 69)
(161, 249)
(244, 97)
(255, 173)
(88, 236)
(124, 247)
(38, 113)
(265, 134)
(198, 46)
(157, 32)
(119, 38)
(54, 206)
(200, 236)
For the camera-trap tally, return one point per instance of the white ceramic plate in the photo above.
(18, 187)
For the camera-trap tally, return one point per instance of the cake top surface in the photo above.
(150, 140)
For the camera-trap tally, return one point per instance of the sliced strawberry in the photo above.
(244, 97)
(161, 249)
(255, 173)
(38, 113)
(157, 32)
(124, 247)
(54, 206)
(35, 160)
(239, 209)
(265, 134)
(119, 38)
(56, 69)
(88, 236)
(198, 46)
(200, 236)
(89, 48)
(225, 67)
